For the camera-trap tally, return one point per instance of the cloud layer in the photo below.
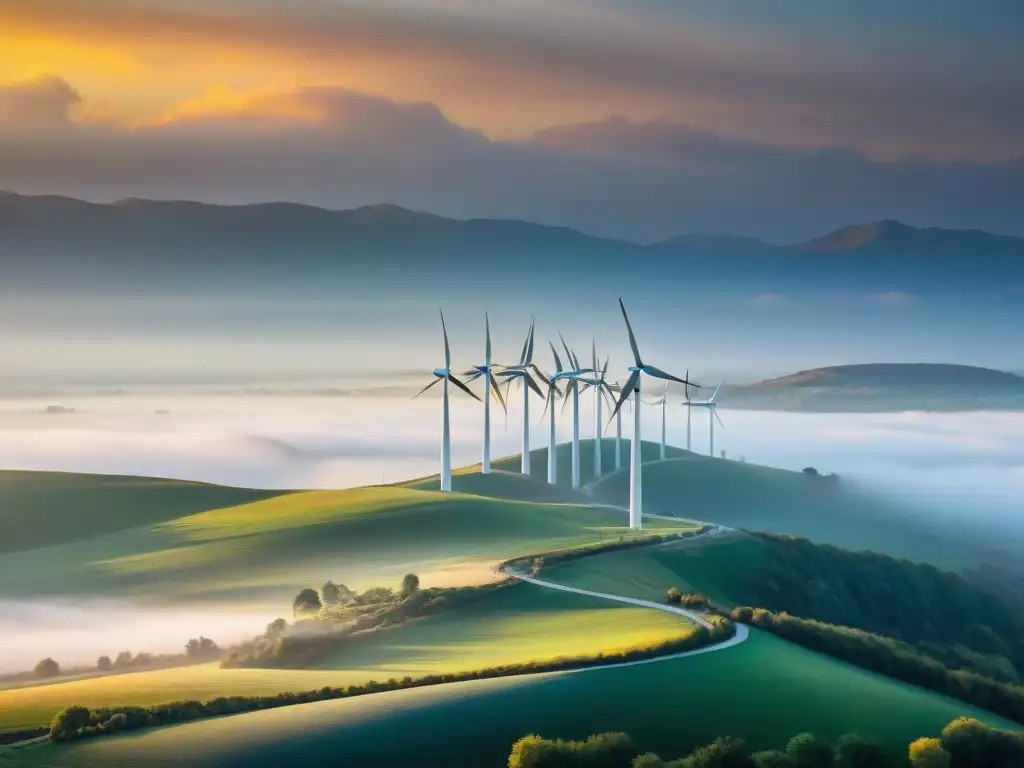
(340, 148)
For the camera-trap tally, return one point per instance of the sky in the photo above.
(637, 119)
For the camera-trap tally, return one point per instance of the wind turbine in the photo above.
(663, 402)
(616, 389)
(573, 377)
(632, 386)
(445, 374)
(491, 388)
(549, 402)
(712, 408)
(521, 372)
(601, 390)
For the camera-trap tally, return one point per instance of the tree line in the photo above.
(78, 722)
(890, 657)
(963, 743)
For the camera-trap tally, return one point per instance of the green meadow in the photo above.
(764, 690)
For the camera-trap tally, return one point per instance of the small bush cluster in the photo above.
(964, 743)
(80, 722)
(312, 639)
(889, 657)
(617, 750)
(687, 599)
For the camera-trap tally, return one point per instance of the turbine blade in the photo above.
(526, 344)
(632, 338)
(715, 411)
(568, 396)
(473, 374)
(497, 392)
(447, 349)
(604, 370)
(627, 391)
(464, 388)
(487, 346)
(528, 380)
(568, 354)
(657, 373)
(529, 352)
(558, 362)
(547, 403)
(543, 376)
(426, 387)
(594, 350)
(714, 393)
(687, 387)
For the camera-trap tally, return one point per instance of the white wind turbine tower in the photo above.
(712, 408)
(663, 402)
(491, 389)
(549, 403)
(601, 390)
(445, 374)
(521, 373)
(632, 386)
(573, 387)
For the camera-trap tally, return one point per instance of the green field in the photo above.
(266, 550)
(760, 498)
(39, 509)
(517, 624)
(764, 690)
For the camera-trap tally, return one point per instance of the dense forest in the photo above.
(964, 623)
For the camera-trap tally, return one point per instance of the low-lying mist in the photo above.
(967, 467)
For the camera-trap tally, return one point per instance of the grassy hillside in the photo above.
(760, 498)
(764, 690)
(268, 549)
(39, 509)
(517, 624)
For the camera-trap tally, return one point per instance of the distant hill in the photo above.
(49, 239)
(883, 387)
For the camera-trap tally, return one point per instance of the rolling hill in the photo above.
(266, 550)
(882, 387)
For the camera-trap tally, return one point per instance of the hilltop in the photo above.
(883, 387)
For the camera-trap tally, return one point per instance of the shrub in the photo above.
(648, 760)
(306, 603)
(47, 668)
(811, 471)
(928, 753)
(854, 751)
(673, 596)
(410, 584)
(68, 723)
(772, 758)
(330, 594)
(809, 751)
(721, 753)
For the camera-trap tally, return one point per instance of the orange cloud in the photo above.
(221, 102)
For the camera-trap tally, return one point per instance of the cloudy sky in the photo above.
(638, 119)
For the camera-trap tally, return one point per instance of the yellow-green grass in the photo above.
(39, 509)
(760, 498)
(518, 624)
(268, 549)
(764, 690)
(506, 483)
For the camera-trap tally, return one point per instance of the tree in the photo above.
(330, 594)
(606, 750)
(104, 664)
(198, 649)
(721, 753)
(68, 722)
(808, 751)
(928, 753)
(306, 603)
(47, 668)
(376, 595)
(673, 596)
(772, 758)
(648, 760)
(810, 471)
(276, 629)
(123, 659)
(410, 584)
(855, 751)
(532, 751)
(966, 741)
